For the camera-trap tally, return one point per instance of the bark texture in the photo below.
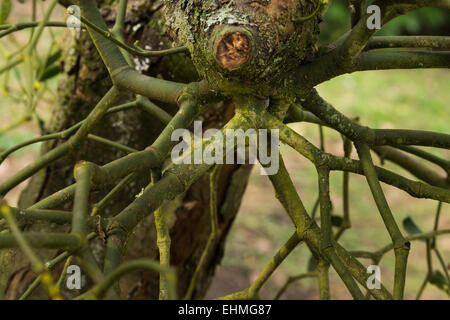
(84, 81)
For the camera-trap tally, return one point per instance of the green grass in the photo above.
(415, 99)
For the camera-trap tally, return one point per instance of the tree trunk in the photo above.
(82, 84)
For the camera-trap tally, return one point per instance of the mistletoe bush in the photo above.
(262, 57)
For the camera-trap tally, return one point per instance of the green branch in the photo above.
(122, 75)
(410, 164)
(50, 216)
(10, 28)
(163, 242)
(294, 279)
(43, 240)
(215, 232)
(73, 143)
(444, 164)
(279, 257)
(328, 66)
(383, 42)
(51, 265)
(341, 260)
(308, 150)
(326, 245)
(346, 223)
(99, 290)
(374, 137)
(387, 60)
(111, 143)
(64, 134)
(133, 50)
(98, 207)
(401, 245)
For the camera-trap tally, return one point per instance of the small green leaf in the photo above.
(336, 220)
(48, 65)
(49, 73)
(5, 10)
(312, 264)
(53, 58)
(410, 226)
(439, 280)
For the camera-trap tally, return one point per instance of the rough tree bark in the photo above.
(84, 81)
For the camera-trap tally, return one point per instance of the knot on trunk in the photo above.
(233, 50)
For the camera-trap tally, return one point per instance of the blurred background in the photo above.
(417, 99)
